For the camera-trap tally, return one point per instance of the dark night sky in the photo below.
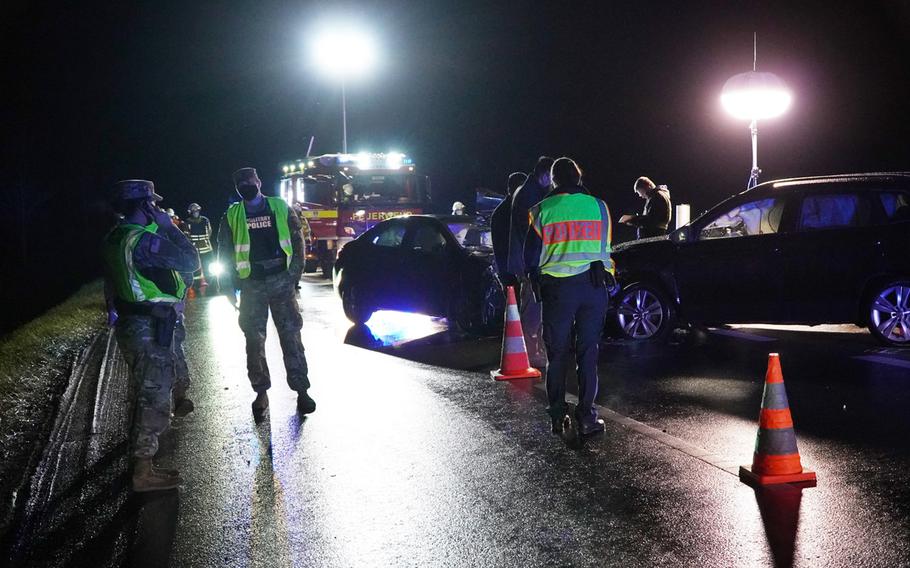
(185, 92)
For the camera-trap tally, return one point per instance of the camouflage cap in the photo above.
(245, 174)
(134, 189)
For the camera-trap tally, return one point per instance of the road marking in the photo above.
(884, 360)
(742, 335)
(720, 462)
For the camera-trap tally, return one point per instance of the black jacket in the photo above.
(500, 224)
(655, 218)
(525, 197)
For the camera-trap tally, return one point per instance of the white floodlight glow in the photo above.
(393, 160)
(364, 161)
(344, 52)
(755, 96)
(216, 268)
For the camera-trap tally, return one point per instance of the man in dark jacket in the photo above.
(528, 195)
(655, 218)
(500, 224)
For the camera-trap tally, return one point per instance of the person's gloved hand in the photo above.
(597, 272)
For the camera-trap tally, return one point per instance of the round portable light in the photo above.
(755, 95)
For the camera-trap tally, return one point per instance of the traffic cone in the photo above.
(515, 364)
(776, 457)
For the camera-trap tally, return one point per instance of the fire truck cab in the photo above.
(340, 196)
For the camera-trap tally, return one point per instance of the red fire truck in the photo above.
(339, 196)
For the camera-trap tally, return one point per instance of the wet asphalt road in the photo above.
(415, 457)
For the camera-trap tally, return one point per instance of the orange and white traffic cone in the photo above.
(514, 364)
(776, 457)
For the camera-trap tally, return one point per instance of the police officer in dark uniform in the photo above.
(260, 238)
(567, 255)
(145, 259)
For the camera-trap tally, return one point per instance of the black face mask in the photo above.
(247, 191)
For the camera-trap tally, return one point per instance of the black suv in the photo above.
(813, 250)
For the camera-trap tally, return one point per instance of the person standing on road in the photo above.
(531, 192)
(261, 239)
(199, 230)
(655, 218)
(567, 254)
(500, 224)
(144, 256)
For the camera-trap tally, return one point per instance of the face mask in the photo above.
(195, 214)
(248, 192)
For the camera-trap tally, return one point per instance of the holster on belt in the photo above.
(165, 318)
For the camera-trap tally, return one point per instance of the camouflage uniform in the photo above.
(276, 292)
(152, 366)
(182, 379)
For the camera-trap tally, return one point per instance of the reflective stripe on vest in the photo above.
(236, 217)
(129, 285)
(576, 231)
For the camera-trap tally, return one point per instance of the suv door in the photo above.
(382, 261)
(829, 257)
(729, 269)
(427, 267)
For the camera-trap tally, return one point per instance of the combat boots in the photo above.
(183, 406)
(147, 478)
(305, 404)
(261, 402)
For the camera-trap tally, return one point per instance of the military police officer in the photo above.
(567, 252)
(260, 237)
(144, 256)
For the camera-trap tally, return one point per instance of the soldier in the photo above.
(261, 239)
(199, 230)
(144, 256)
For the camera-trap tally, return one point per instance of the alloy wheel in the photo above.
(641, 314)
(890, 314)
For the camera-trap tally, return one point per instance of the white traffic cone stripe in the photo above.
(514, 345)
(512, 313)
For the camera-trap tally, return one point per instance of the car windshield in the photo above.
(471, 235)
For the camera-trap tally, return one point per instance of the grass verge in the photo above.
(35, 362)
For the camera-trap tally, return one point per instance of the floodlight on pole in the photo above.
(344, 53)
(752, 96)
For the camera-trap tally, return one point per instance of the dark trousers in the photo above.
(574, 313)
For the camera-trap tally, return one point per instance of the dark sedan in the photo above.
(832, 249)
(434, 265)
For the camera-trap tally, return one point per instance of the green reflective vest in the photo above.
(236, 217)
(129, 285)
(575, 230)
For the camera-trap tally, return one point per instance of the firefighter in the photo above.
(144, 256)
(567, 255)
(531, 192)
(260, 237)
(655, 217)
(199, 230)
(458, 208)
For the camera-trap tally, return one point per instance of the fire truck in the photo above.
(339, 196)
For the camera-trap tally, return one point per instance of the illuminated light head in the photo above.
(310, 164)
(344, 52)
(285, 169)
(755, 95)
(216, 268)
(393, 160)
(364, 161)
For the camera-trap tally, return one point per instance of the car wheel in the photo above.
(327, 269)
(459, 313)
(355, 306)
(643, 312)
(889, 313)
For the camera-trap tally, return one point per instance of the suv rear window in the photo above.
(896, 205)
(832, 211)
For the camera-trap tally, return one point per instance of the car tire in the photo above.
(356, 308)
(327, 268)
(888, 313)
(458, 316)
(643, 313)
